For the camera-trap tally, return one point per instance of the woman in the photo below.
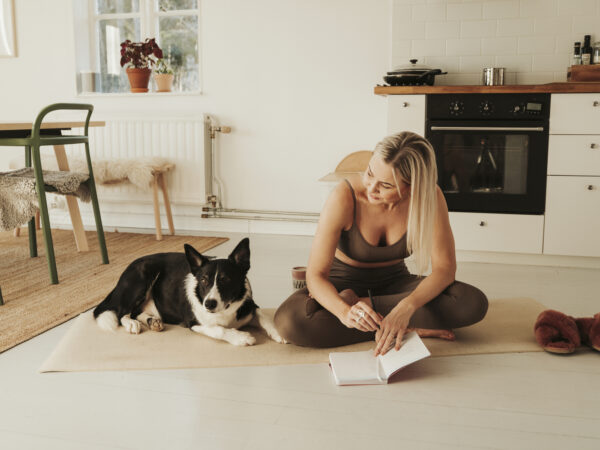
(367, 228)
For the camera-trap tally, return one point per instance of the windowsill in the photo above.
(140, 94)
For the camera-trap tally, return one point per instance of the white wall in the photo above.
(293, 78)
(533, 39)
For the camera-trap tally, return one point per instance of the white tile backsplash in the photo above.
(463, 47)
(499, 46)
(587, 25)
(478, 28)
(428, 12)
(550, 26)
(536, 45)
(475, 63)
(533, 39)
(515, 27)
(539, 8)
(550, 63)
(428, 47)
(568, 7)
(502, 9)
(464, 11)
(512, 63)
(442, 30)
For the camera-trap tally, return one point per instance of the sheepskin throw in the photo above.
(111, 171)
(18, 200)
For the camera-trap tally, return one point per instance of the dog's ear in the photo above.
(241, 255)
(194, 258)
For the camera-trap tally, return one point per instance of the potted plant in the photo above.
(163, 75)
(140, 57)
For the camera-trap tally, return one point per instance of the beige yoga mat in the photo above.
(507, 328)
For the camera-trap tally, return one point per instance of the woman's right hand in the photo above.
(361, 316)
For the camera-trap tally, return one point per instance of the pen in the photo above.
(371, 298)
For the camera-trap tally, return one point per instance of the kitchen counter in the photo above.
(554, 88)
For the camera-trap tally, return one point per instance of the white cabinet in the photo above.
(572, 225)
(572, 216)
(574, 154)
(406, 113)
(575, 114)
(498, 232)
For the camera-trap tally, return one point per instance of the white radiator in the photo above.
(181, 140)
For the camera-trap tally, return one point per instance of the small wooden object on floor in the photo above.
(158, 180)
(38, 226)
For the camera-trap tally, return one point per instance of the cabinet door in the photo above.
(574, 154)
(572, 216)
(406, 113)
(517, 233)
(575, 114)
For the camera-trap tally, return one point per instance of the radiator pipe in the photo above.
(219, 215)
(208, 161)
(214, 208)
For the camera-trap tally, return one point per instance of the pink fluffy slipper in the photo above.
(558, 333)
(589, 331)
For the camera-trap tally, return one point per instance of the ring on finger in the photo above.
(360, 313)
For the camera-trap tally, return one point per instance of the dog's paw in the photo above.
(133, 326)
(277, 338)
(242, 338)
(155, 324)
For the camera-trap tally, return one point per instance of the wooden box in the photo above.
(582, 72)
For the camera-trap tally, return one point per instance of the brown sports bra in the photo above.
(353, 244)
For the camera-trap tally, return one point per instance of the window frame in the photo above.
(149, 26)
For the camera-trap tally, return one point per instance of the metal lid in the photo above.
(412, 68)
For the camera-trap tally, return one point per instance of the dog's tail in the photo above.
(106, 315)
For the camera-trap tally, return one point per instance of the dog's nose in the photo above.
(210, 304)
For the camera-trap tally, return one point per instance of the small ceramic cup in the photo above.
(299, 277)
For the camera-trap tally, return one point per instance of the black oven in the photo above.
(491, 150)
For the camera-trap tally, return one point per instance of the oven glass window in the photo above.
(483, 163)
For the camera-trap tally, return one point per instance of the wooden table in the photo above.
(23, 129)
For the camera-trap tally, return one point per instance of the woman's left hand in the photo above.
(392, 329)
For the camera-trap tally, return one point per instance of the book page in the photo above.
(412, 350)
(355, 368)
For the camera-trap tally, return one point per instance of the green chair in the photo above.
(32, 144)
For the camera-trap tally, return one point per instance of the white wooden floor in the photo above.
(511, 401)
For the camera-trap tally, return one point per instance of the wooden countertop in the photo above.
(555, 88)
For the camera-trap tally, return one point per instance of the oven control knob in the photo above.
(456, 108)
(486, 108)
(518, 109)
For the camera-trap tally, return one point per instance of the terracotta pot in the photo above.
(138, 79)
(164, 82)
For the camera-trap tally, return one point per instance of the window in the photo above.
(174, 24)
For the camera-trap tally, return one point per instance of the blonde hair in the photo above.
(413, 161)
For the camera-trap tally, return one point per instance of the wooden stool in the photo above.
(158, 180)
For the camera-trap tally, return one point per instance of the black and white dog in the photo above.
(211, 297)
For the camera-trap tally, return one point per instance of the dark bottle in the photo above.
(586, 50)
(576, 54)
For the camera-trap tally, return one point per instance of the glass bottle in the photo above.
(586, 50)
(596, 54)
(576, 54)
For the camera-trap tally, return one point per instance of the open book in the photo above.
(364, 368)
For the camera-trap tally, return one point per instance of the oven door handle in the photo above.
(438, 128)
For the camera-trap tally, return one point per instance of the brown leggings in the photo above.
(302, 320)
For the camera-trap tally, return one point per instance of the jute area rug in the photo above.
(33, 305)
(507, 328)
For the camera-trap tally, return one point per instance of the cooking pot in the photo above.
(412, 75)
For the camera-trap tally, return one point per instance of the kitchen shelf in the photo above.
(555, 88)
